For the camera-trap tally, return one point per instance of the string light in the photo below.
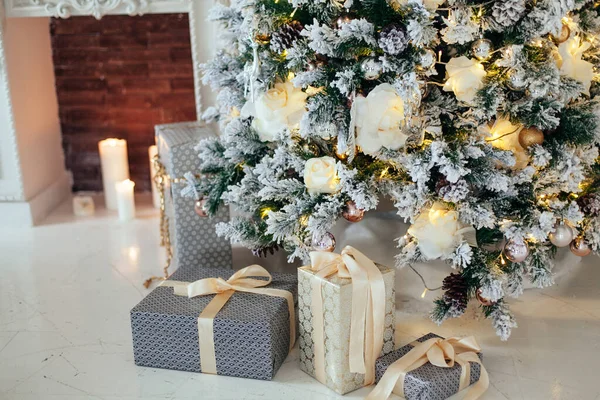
(424, 293)
(265, 212)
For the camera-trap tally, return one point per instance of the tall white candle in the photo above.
(115, 168)
(125, 201)
(152, 152)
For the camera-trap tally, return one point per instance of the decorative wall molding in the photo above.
(96, 8)
(16, 188)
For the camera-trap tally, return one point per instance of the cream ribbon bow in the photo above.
(368, 309)
(441, 353)
(240, 281)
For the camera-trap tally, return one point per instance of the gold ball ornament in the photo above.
(562, 235)
(352, 213)
(516, 251)
(325, 242)
(262, 38)
(530, 136)
(482, 49)
(201, 207)
(565, 33)
(343, 19)
(579, 247)
(484, 301)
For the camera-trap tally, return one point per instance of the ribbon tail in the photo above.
(482, 385)
(318, 336)
(206, 336)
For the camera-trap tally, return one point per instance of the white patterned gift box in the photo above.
(251, 331)
(192, 238)
(337, 300)
(427, 382)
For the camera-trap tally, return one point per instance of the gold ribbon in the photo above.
(161, 180)
(441, 353)
(240, 281)
(368, 309)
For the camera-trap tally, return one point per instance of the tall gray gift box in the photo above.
(251, 331)
(193, 238)
(427, 382)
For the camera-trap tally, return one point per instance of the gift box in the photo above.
(428, 381)
(252, 332)
(192, 238)
(334, 342)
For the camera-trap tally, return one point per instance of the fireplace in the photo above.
(67, 83)
(119, 77)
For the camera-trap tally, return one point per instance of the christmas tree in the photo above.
(478, 118)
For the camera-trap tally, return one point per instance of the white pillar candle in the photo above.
(83, 206)
(152, 152)
(115, 168)
(125, 201)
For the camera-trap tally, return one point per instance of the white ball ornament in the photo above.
(516, 251)
(371, 69)
(325, 242)
(562, 235)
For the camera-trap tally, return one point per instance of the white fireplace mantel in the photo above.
(33, 179)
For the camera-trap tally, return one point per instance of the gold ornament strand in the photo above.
(160, 179)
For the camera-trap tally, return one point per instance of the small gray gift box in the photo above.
(427, 382)
(251, 331)
(193, 238)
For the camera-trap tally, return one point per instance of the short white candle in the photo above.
(152, 152)
(125, 201)
(83, 206)
(115, 168)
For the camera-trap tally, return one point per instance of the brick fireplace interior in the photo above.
(118, 77)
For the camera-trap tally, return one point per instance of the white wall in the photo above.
(31, 73)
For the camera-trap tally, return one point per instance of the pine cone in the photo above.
(262, 252)
(441, 184)
(393, 39)
(285, 37)
(590, 204)
(456, 290)
(508, 12)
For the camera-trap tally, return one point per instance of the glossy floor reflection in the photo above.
(66, 289)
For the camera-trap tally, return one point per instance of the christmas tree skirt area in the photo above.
(67, 288)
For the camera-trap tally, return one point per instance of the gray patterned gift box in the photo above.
(251, 332)
(337, 300)
(427, 382)
(193, 238)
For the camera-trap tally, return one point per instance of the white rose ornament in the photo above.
(276, 110)
(378, 119)
(572, 65)
(320, 175)
(464, 78)
(438, 232)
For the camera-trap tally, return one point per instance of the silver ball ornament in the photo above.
(562, 235)
(325, 242)
(516, 80)
(427, 59)
(371, 69)
(516, 251)
(482, 49)
(579, 247)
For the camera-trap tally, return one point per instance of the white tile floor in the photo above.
(66, 289)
